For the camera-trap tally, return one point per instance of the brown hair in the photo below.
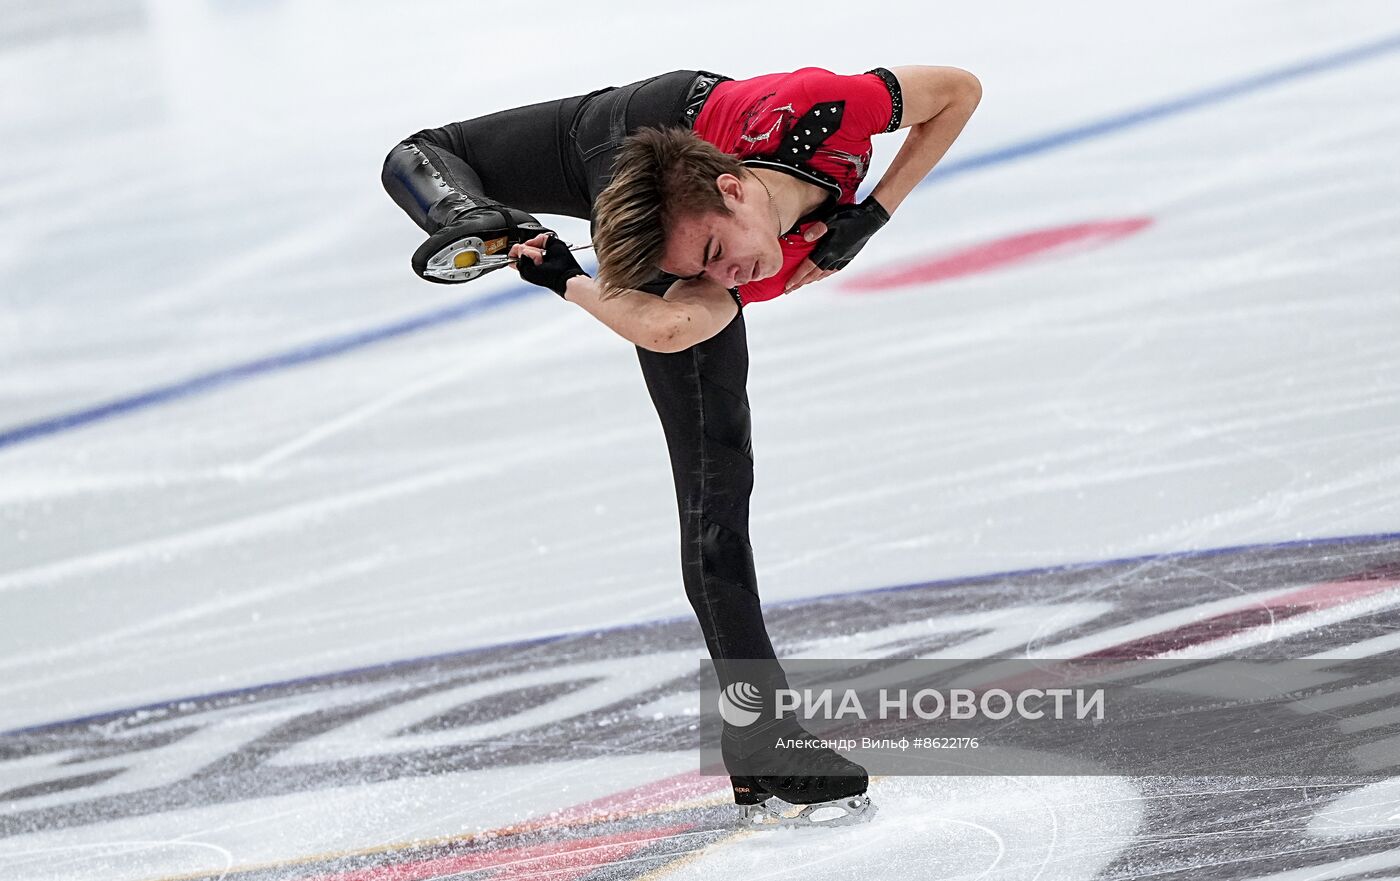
(661, 175)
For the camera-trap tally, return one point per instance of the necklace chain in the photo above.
(771, 204)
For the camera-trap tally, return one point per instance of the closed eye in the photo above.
(697, 276)
(710, 259)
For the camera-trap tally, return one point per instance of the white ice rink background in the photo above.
(1151, 305)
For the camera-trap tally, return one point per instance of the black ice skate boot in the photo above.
(469, 233)
(829, 786)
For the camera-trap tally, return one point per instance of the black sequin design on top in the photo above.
(896, 97)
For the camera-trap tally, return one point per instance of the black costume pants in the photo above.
(555, 157)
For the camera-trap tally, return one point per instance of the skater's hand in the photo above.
(546, 261)
(807, 271)
(844, 234)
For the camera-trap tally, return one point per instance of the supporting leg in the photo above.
(702, 399)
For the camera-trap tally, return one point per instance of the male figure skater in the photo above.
(705, 194)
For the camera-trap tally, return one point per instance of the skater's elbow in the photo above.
(692, 311)
(929, 90)
(677, 329)
(669, 333)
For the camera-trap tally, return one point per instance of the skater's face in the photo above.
(730, 250)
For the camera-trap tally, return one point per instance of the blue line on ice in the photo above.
(349, 342)
(1153, 112)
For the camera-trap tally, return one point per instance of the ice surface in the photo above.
(190, 186)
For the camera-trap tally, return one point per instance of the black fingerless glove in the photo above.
(848, 229)
(555, 270)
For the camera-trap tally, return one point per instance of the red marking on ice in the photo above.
(1296, 602)
(562, 860)
(656, 795)
(1312, 598)
(998, 253)
(557, 860)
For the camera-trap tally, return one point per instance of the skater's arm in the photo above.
(691, 312)
(938, 101)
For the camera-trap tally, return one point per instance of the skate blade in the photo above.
(466, 258)
(839, 812)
